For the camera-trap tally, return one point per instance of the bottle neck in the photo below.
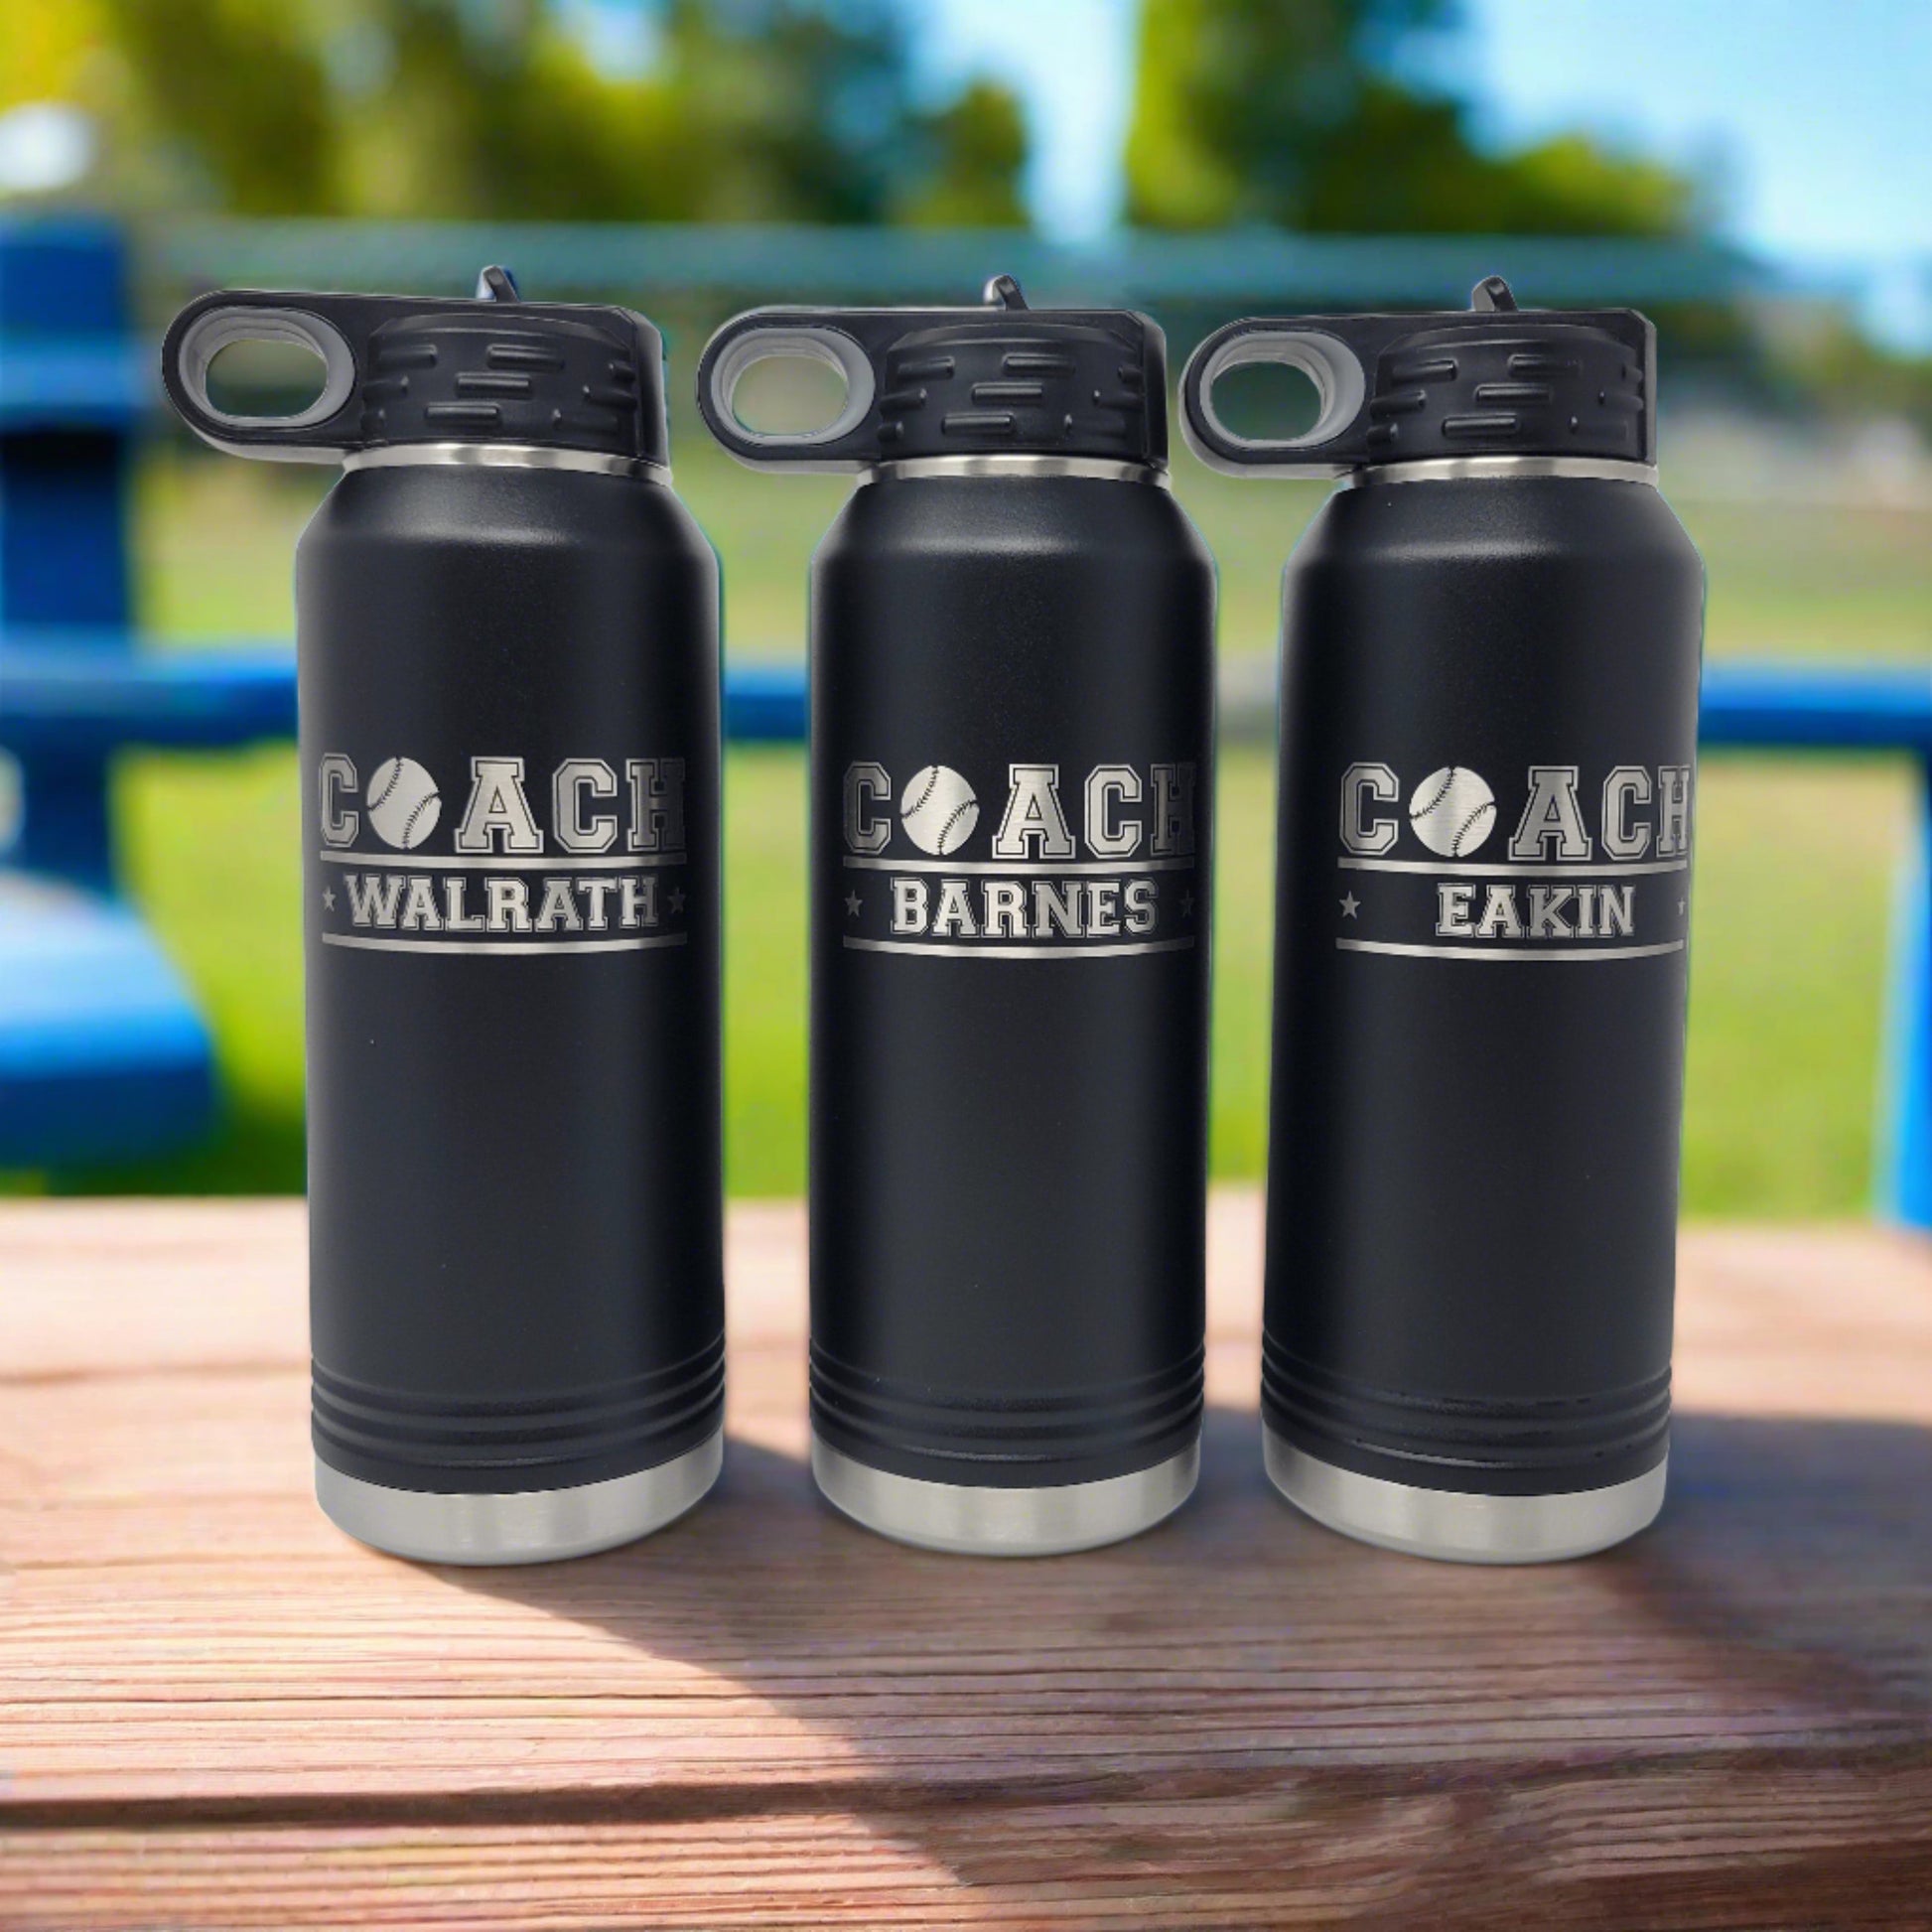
(1097, 468)
(1466, 469)
(505, 455)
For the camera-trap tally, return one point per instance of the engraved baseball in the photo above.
(1452, 811)
(938, 810)
(403, 802)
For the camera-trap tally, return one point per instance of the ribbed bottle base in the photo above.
(398, 1440)
(1503, 1445)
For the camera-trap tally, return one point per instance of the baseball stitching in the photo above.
(409, 824)
(1462, 830)
(959, 812)
(1441, 793)
(395, 778)
(931, 785)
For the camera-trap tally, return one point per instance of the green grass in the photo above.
(765, 970)
(1797, 866)
(1796, 858)
(1787, 579)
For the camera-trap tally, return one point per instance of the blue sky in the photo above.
(1815, 119)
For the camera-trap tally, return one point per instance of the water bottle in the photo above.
(507, 665)
(1012, 767)
(1488, 718)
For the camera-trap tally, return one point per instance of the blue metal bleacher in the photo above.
(103, 1054)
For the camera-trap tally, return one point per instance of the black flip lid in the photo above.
(400, 369)
(998, 379)
(1489, 380)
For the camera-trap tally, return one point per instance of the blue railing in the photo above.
(101, 1050)
(73, 700)
(64, 702)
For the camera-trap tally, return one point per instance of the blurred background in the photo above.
(1759, 186)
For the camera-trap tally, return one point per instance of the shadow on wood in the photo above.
(1247, 1715)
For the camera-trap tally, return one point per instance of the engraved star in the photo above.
(851, 904)
(1351, 905)
(328, 899)
(676, 897)
(1186, 906)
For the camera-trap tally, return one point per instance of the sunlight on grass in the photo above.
(1797, 866)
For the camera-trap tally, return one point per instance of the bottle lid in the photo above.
(399, 370)
(997, 379)
(1492, 381)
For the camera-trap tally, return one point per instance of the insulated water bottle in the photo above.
(1012, 750)
(508, 666)
(1489, 693)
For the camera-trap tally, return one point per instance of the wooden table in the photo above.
(215, 1711)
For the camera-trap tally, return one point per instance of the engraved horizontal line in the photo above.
(505, 946)
(1480, 951)
(970, 951)
(1518, 868)
(506, 861)
(1030, 868)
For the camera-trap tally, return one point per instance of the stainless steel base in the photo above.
(983, 1522)
(529, 1526)
(1455, 1527)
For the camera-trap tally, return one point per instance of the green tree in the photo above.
(975, 151)
(1289, 112)
(233, 94)
(751, 110)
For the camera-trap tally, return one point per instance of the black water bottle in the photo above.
(1489, 751)
(1010, 785)
(507, 659)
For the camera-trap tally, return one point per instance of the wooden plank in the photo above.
(216, 1711)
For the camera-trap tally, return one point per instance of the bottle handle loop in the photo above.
(213, 330)
(777, 337)
(1335, 370)
(318, 433)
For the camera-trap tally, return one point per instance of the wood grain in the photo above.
(214, 1711)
